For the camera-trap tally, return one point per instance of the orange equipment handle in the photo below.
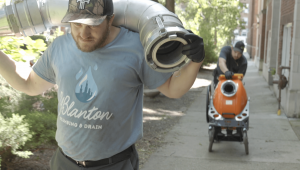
(236, 76)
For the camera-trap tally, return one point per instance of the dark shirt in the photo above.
(236, 66)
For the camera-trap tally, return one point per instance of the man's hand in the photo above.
(195, 49)
(228, 74)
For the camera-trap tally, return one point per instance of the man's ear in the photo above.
(111, 19)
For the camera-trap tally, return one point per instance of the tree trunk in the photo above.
(216, 21)
(170, 5)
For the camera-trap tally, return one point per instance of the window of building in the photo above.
(246, 11)
(244, 33)
(246, 21)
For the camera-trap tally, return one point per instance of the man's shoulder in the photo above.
(227, 48)
(129, 38)
(244, 60)
(225, 52)
(129, 33)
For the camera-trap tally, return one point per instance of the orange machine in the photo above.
(228, 110)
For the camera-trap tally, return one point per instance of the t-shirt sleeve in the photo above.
(243, 67)
(151, 78)
(44, 67)
(224, 52)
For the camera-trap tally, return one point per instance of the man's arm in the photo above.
(243, 67)
(181, 81)
(30, 84)
(222, 65)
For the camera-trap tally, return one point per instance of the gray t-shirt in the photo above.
(100, 94)
(236, 66)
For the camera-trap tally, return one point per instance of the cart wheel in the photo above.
(211, 133)
(207, 102)
(245, 138)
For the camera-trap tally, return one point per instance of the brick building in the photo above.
(252, 28)
(272, 42)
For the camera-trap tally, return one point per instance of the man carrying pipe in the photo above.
(100, 70)
(231, 60)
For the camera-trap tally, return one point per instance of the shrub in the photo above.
(50, 101)
(36, 37)
(14, 133)
(26, 103)
(32, 49)
(210, 53)
(42, 122)
(8, 97)
(42, 127)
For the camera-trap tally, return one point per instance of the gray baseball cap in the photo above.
(89, 12)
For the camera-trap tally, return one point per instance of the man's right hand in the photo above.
(228, 74)
(30, 84)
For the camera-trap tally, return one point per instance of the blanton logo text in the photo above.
(66, 108)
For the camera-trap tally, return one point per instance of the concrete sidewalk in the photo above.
(273, 144)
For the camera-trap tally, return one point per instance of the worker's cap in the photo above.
(239, 46)
(89, 12)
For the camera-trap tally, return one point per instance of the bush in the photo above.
(26, 103)
(8, 97)
(41, 119)
(210, 53)
(32, 49)
(14, 133)
(36, 37)
(42, 127)
(50, 101)
(4, 105)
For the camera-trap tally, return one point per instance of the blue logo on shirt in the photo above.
(86, 89)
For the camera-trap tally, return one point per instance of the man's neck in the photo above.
(114, 32)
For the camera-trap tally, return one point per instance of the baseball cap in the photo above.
(239, 46)
(89, 12)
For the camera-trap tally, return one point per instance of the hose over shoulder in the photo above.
(161, 31)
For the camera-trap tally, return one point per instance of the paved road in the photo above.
(273, 144)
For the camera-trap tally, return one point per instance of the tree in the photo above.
(221, 17)
(213, 20)
(170, 5)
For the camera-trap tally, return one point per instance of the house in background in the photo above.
(272, 42)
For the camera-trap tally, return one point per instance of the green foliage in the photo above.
(273, 71)
(43, 127)
(14, 133)
(50, 101)
(4, 106)
(36, 37)
(213, 20)
(25, 103)
(211, 55)
(56, 34)
(12, 47)
(8, 97)
(41, 120)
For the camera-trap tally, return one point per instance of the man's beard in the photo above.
(98, 44)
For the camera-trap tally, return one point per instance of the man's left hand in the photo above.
(195, 49)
